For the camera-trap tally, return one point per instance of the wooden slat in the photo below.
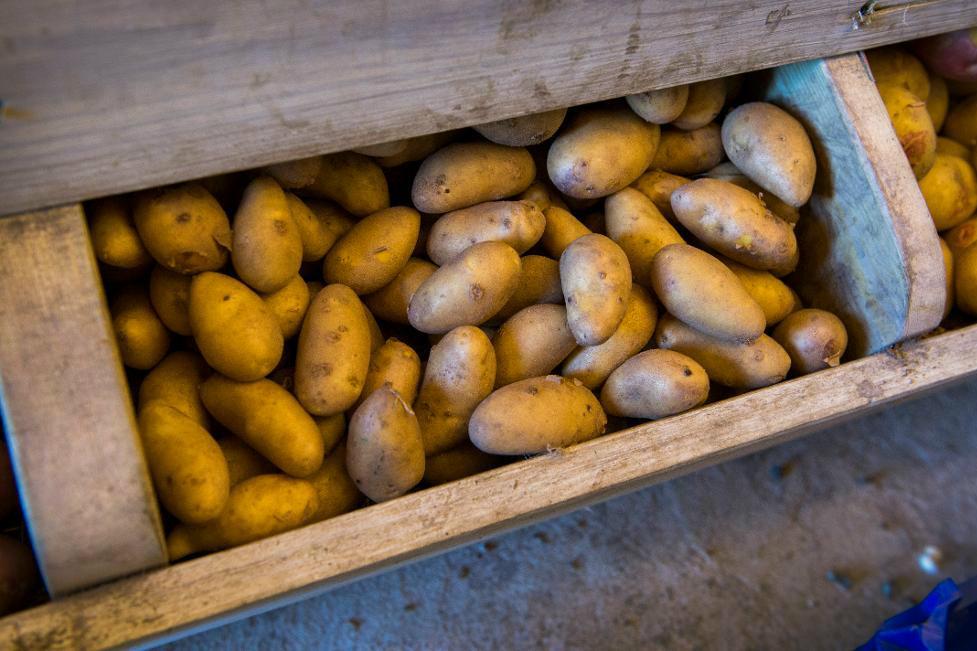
(108, 96)
(90, 507)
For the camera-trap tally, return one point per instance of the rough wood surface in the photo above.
(109, 96)
(89, 504)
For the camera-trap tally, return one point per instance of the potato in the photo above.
(776, 299)
(689, 152)
(391, 148)
(734, 222)
(332, 428)
(532, 343)
(539, 282)
(460, 373)
(390, 301)
(961, 122)
(596, 280)
(913, 127)
(376, 335)
(896, 67)
(141, 336)
(288, 305)
(660, 106)
(114, 237)
(562, 228)
(371, 254)
(965, 280)
(333, 352)
(658, 186)
(952, 55)
(464, 174)
(354, 181)
(524, 130)
(295, 174)
(705, 101)
(183, 228)
(655, 384)
(951, 147)
(519, 224)
(235, 331)
(814, 339)
(639, 228)
(319, 224)
(336, 491)
(19, 579)
(537, 193)
(242, 461)
(384, 451)
(739, 366)
(536, 415)
(269, 419)
(948, 269)
(592, 364)
(418, 148)
(175, 381)
(186, 464)
(938, 102)
(950, 191)
(601, 151)
(466, 291)
(728, 172)
(460, 462)
(394, 364)
(962, 236)
(169, 292)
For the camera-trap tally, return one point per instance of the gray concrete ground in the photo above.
(732, 557)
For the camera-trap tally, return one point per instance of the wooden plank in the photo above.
(117, 95)
(89, 504)
(238, 582)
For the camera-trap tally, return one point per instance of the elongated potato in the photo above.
(174, 381)
(267, 247)
(384, 450)
(169, 293)
(537, 193)
(913, 127)
(948, 269)
(460, 373)
(336, 490)
(660, 106)
(464, 174)
(332, 428)
(536, 415)
(659, 186)
(183, 228)
(601, 151)
(460, 462)
(376, 335)
(298, 173)
(288, 305)
(187, 466)
(524, 130)
(235, 331)
(814, 339)
(418, 148)
(739, 366)
(519, 224)
(962, 236)
(938, 102)
(655, 384)
(354, 181)
(639, 228)
(380, 150)
(114, 237)
(705, 101)
(596, 280)
(466, 291)
(728, 172)
(390, 301)
(539, 282)
(333, 352)
(775, 298)
(896, 67)
(394, 364)
(371, 254)
(242, 460)
(532, 343)
(562, 228)
(141, 336)
(319, 224)
(950, 191)
(689, 152)
(965, 280)
(961, 122)
(950, 147)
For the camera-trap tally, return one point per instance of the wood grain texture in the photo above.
(109, 96)
(83, 483)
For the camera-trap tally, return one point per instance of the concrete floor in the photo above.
(732, 557)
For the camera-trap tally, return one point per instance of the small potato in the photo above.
(169, 293)
(142, 337)
(384, 453)
(639, 228)
(701, 291)
(463, 461)
(371, 254)
(949, 147)
(950, 191)
(376, 335)
(242, 460)
(562, 228)
(235, 331)
(354, 181)
(938, 102)
(660, 106)
(734, 222)
(332, 428)
(418, 148)
(706, 99)
(913, 127)
(965, 280)
(469, 290)
(539, 282)
(659, 186)
(394, 364)
(175, 381)
(524, 130)
(601, 151)
(333, 352)
(655, 384)
(814, 339)
(728, 172)
(537, 193)
(738, 366)
(390, 302)
(114, 237)
(962, 236)
(295, 174)
(896, 67)
(391, 148)
(464, 174)
(460, 373)
(961, 122)
(772, 148)
(596, 280)
(319, 224)
(187, 466)
(689, 152)
(592, 364)
(776, 299)
(336, 490)
(532, 343)
(519, 224)
(288, 305)
(183, 228)
(536, 415)
(948, 269)
(269, 419)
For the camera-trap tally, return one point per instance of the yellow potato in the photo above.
(539, 282)
(562, 228)
(962, 236)
(183, 228)
(938, 101)
(188, 469)
(383, 149)
(336, 490)
(319, 224)
(536, 415)
(242, 460)
(460, 373)
(141, 336)
(463, 461)
(894, 66)
(418, 148)
(775, 298)
(524, 130)
(376, 335)
(235, 331)
(660, 106)
(601, 151)
(394, 364)
(519, 224)
(114, 237)
(384, 450)
(464, 174)
(948, 269)
(596, 280)
(728, 172)
(639, 228)
(390, 302)
(169, 293)
(913, 127)
(951, 147)
(288, 305)
(965, 280)
(659, 186)
(175, 381)
(689, 152)
(537, 193)
(267, 247)
(298, 173)
(532, 343)
(332, 428)
(655, 384)
(961, 122)
(950, 191)
(814, 339)
(354, 181)
(371, 254)
(705, 101)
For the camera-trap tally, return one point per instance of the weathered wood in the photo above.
(89, 504)
(116, 95)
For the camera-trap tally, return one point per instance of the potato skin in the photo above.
(961, 122)
(951, 147)
(938, 102)
(965, 280)
(418, 148)
(183, 228)
(728, 172)
(775, 298)
(390, 302)
(948, 267)
(524, 130)
(242, 460)
(460, 462)
(659, 186)
(336, 490)
(536, 415)
(913, 127)
(288, 305)
(352, 180)
(394, 364)
(639, 228)
(896, 67)
(950, 191)
(596, 280)
(469, 290)
(267, 248)
(519, 224)
(319, 224)
(464, 174)
(962, 236)
(539, 282)
(660, 106)
(689, 152)
(141, 336)
(371, 254)
(532, 343)
(561, 230)
(169, 293)
(297, 173)
(601, 151)
(332, 429)
(814, 339)
(379, 150)
(235, 331)
(705, 101)
(174, 381)
(537, 193)
(114, 237)
(655, 384)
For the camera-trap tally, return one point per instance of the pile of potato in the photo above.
(420, 310)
